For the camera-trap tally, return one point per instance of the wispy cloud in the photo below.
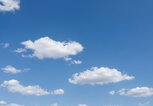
(14, 86)
(13, 70)
(136, 92)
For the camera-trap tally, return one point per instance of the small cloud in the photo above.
(9, 5)
(67, 59)
(20, 50)
(136, 92)
(13, 70)
(4, 103)
(112, 92)
(76, 62)
(58, 92)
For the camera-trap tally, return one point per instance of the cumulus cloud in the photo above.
(13, 70)
(136, 92)
(46, 47)
(100, 76)
(14, 86)
(82, 105)
(4, 103)
(9, 5)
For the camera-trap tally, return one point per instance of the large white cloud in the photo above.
(9, 5)
(135, 92)
(4, 103)
(15, 87)
(46, 47)
(100, 76)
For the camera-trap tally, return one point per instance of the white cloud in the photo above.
(100, 76)
(20, 50)
(46, 47)
(76, 62)
(15, 87)
(136, 92)
(57, 92)
(4, 103)
(67, 59)
(82, 105)
(112, 92)
(11, 69)
(9, 5)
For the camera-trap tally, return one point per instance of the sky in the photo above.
(76, 53)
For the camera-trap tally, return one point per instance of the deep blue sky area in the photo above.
(114, 33)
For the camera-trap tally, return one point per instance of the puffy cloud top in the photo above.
(100, 76)
(46, 47)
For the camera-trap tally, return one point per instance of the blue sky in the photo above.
(44, 43)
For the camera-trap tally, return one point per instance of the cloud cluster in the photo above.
(4, 103)
(9, 5)
(135, 92)
(46, 47)
(11, 69)
(15, 87)
(100, 76)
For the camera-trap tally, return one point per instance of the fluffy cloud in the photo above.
(82, 105)
(4, 103)
(100, 76)
(9, 5)
(136, 92)
(46, 47)
(15, 87)
(11, 69)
